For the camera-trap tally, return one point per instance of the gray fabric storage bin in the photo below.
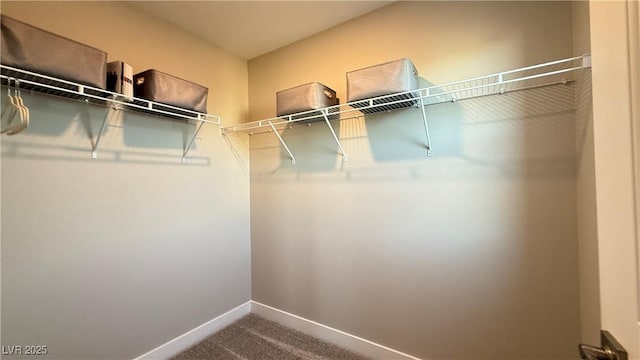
(29, 48)
(383, 79)
(311, 96)
(160, 87)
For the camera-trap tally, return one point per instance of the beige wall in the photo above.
(468, 254)
(448, 42)
(585, 186)
(110, 258)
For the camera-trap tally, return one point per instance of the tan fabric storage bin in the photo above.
(30, 48)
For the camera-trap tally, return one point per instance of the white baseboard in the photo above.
(186, 340)
(323, 332)
(326, 333)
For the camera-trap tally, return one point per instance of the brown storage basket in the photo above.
(383, 79)
(29, 48)
(160, 87)
(311, 96)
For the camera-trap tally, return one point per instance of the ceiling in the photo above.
(253, 28)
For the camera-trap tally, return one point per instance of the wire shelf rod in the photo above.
(109, 96)
(287, 124)
(492, 84)
(82, 88)
(53, 86)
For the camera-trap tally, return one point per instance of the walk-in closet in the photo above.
(487, 211)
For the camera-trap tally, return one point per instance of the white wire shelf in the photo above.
(28, 80)
(546, 74)
(32, 81)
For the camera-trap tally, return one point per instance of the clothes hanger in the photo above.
(14, 110)
(18, 104)
(25, 110)
(10, 109)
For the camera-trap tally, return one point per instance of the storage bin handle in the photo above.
(329, 94)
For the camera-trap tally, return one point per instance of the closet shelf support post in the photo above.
(426, 126)
(275, 131)
(193, 138)
(110, 112)
(325, 113)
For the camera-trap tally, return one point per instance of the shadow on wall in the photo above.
(63, 129)
(393, 136)
(52, 116)
(155, 132)
(584, 110)
(312, 146)
(238, 143)
(524, 133)
(400, 135)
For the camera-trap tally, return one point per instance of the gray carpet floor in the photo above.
(255, 338)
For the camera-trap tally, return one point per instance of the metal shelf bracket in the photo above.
(275, 131)
(67, 89)
(325, 114)
(190, 142)
(426, 127)
(111, 111)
